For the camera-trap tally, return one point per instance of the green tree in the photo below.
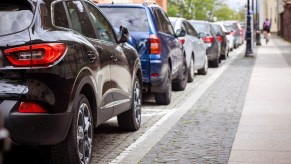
(201, 10)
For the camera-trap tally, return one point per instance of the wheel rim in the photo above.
(185, 71)
(169, 85)
(206, 64)
(137, 102)
(191, 68)
(84, 133)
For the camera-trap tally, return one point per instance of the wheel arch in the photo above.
(85, 85)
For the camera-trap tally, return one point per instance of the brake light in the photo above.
(219, 38)
(155, 44)
(35, 55)
(28, 107)
(208, 39)
(182, 40)
(155, 74)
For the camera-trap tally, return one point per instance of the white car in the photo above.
(227, 31)
(194, 49)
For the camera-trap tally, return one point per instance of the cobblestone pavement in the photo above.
(205, 134)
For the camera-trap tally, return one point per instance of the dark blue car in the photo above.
(160, 52)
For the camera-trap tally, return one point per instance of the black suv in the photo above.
(159, 49)
(64, 71)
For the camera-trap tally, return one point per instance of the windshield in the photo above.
(14, 17)
(134, 19)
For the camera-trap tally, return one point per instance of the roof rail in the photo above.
(147, 2)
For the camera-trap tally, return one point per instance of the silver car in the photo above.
(194, 49)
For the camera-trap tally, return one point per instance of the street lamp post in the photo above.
(248, 32)
(258, 31)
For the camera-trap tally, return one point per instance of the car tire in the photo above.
(165, 97)
(191, 70)
(215, 62)
(181, 83)
(80, 136)
(131, 119)
(204, 70)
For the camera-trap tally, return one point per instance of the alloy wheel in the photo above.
(84, 133)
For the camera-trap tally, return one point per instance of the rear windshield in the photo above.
(200, 27)
(217, 29)
(14, 17)
(135, 19)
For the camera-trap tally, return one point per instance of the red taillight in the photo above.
(155, 74)
(35, 55)
(208, 39)
(219, 38)
(182, 40)
(28, 107)
(155, 44)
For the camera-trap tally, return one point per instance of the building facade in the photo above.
(270, 9)
(162, 3)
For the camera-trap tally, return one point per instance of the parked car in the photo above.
(159, 49)
(222, 37)
(211, 42)
(230, 36)
(194, 49)
(63, 72)
(238, 32)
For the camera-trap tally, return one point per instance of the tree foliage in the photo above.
(202, 10)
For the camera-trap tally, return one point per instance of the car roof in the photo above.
(198, 21)
(133, 5)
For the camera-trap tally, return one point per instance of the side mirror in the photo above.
(123, 35)
(201, 35)
(181, 33)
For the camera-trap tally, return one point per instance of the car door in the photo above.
(198, 45)
(120, 73)
(169, 39)
(97, 54)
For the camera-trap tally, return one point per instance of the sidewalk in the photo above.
(264, 132)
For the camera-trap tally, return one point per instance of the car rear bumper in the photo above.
(35, 128)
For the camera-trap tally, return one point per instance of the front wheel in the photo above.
(77, 147)
(191, 70)
(204, 70)
(131, 119)
(164, 98)
(181, 83)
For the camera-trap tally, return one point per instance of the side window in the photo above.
(79, 18)
(191, 29)
(59, 15)
(103, 28)
(164, 23)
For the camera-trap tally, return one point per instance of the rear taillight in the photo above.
(155, 44)
(182, 40)
(35, 55)
(29, 107)
(219, 38)
(208, 39)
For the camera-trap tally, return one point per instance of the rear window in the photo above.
(14, 17)
(135, 19)
(217, 29)
(201, 27)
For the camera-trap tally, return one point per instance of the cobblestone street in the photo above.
(206, 133)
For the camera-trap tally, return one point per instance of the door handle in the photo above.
(91, 56)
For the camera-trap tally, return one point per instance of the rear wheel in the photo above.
(131, 119)
(165, 97)
(181, 83)
(77, 147)
(191, 70)
(215, 62)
